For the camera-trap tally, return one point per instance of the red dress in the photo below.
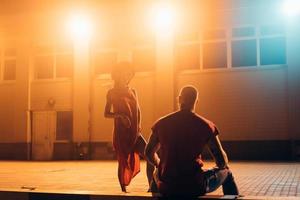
(124, 102)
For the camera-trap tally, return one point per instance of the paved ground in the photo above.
(99, 177)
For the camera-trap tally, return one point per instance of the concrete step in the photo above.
(11, 195)
(16, 195)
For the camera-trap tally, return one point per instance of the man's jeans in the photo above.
(215, 177)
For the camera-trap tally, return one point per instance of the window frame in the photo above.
(54, 53)
(243, 38)
(273, 36)
(72, 133)
(101, 47)
(4, 58)
(144, 46)
(229, 38)
(186, 42)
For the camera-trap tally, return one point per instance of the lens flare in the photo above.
(163, 16)
(79, 26)
(291, 8)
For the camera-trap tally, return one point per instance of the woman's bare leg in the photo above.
(120, 175)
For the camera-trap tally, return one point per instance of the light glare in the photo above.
(291, 7)
(80, 27)
(163, 16)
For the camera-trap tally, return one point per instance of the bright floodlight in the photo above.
(163, 17)
(80, 27)
(291, 7)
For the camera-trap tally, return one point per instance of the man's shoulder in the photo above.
(205, 121)
(165, 118)
(202, 118)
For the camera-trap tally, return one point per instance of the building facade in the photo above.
(241, 55)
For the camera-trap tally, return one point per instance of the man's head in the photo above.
(188, 97)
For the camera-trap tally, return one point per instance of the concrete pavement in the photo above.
(258, 180)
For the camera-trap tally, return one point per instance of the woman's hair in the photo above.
(122, 69)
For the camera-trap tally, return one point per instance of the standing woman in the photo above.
(122, 105)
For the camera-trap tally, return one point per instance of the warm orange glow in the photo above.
(163, 16)
(79, 26)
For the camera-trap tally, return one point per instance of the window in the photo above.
(104, 61)
(64, 65)
(8, 64)
(10, 52)
(64, 125)
(42, 50)
(244, 53)
(44, 67)
(214, 55)
(272, 30)
(147, 40)
(188, 56)
(214, 47)
(186, 37)
(9, 70)
(268, 41)
(53, 62)
(105, 56)
(144, 54)
(246, 46)
(272, 51)
(143, 59)
(243, 32)
(187, 51)
(214, 34)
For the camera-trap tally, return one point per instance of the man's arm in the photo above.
(151, 149)
(217, 152)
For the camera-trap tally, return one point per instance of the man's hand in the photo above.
(151, 149)
(217, 152)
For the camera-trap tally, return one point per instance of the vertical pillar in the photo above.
(22, 101)
(164, 80)
(293, 61)
(81, 92)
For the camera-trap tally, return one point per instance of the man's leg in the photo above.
(154, 182)
(140, 148)
(217, 177)
(229, 185)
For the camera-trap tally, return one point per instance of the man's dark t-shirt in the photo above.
(182, 136)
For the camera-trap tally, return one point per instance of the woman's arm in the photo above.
(138, 110)
(109, 114)
(107, 111)
(108, 107)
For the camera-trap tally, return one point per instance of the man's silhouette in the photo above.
(180, 138)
